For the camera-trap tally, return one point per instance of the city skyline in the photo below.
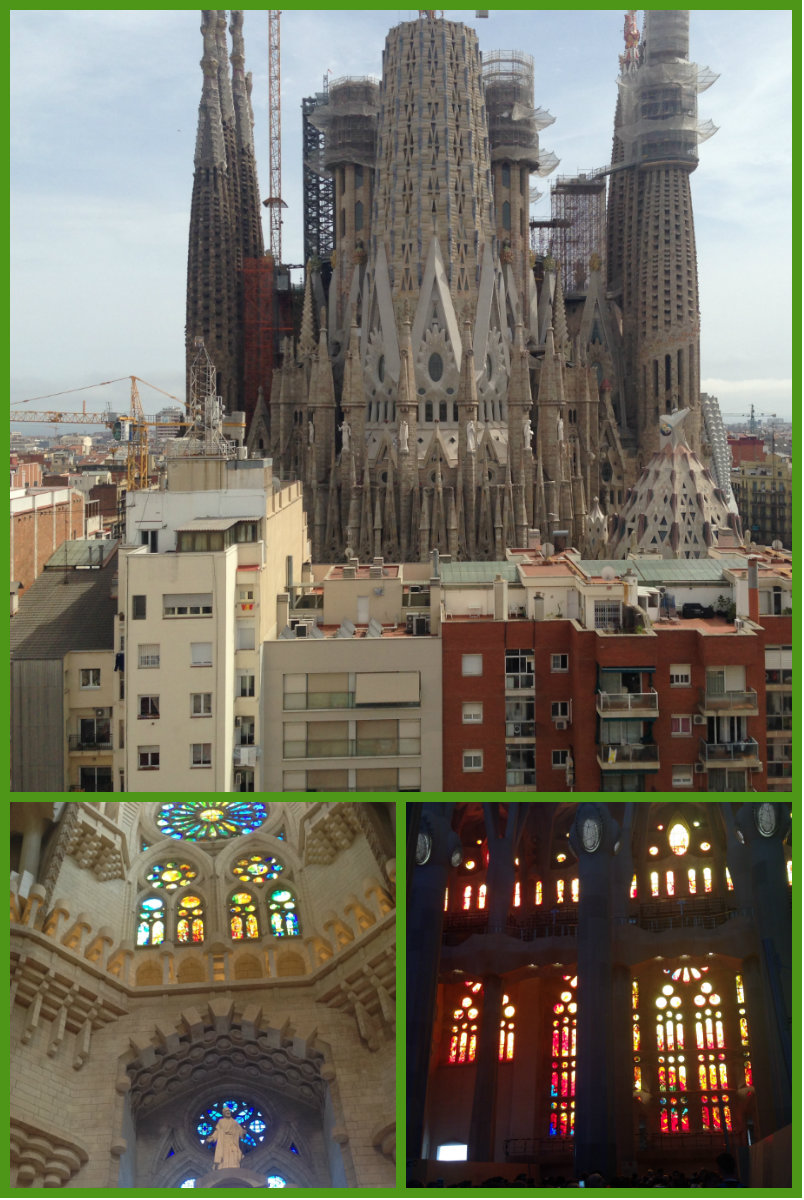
(116, 132)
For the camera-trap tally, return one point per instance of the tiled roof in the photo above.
(66, 610)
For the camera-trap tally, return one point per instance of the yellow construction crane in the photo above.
(133, 429)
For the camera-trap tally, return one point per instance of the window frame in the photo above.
(466, 717)
(472, 768)
(469, 659)
(147, 716)
(205, 748)
(556, 668)
(200, 696)
(91, 672)
(151, 753)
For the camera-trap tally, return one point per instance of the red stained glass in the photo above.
(633, 891)
(572, 1042)
(637, 1077)
(481, 895)
(198, 929)
(472, 1046)
(554, 1050)
(183, 930)
(727, 1116)
(749, 1075)
(564, 1040)
(467, 897)
(712, 1075)
(723, 1074)
(462, 1046)
(705, 1116)
(660, 1037)
(679, 1036)
(538, 893)
(665, 1125)
(553, 1124)
(636, 1036)
(662, 1079)
(237, 927)
(701, 1076)
(453, 1048)
(685, 1122)
(715, 1117)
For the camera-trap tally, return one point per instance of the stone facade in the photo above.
(142, 1038)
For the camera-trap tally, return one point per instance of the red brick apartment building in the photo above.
(697, 704)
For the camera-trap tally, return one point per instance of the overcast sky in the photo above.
(104, 111)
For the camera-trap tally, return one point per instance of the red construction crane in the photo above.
(274, 203)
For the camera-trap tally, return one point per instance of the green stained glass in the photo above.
(171, 875)
(256, 868)
(198, 822)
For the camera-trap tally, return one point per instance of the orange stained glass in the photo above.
(446, 899)
(538, 892)
(660, 1036)
(723, 1074)
(712, 1075)
(710, 1037)
(472, 1046)
(654, 883)
(679, 1036)
(707, 878)
(462, 1046)
(789, 872)
(738, 982)
(634, 993)
(682, 1077)
(560, 891)
(453, 1046)
(729, 882)
(705, 1116)
(633, 890)
(636, 1035)
(517, 894)
(715, 1117)
(252, 930)
(575, 889)
(183, 930)
(671, 886)
(743, 1031)
(662, 1079)
(572, 1041)
(467, 897)
(699, 1037)
(509, 1045)
(481, 896)
(554, 1050)
(727, 1116)
(198, 929)
(749, 1075)
(719, 1034)
(236, 925)
(701, 1076)
(637, 1076)
(691, 880)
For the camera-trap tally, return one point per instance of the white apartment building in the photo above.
(205, 558)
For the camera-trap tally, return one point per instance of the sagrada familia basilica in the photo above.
(451, 388)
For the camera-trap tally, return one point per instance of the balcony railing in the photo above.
(780, 722)
(520, 778)
(632, 756)
(720, 702)
(352, 748)
(515, 729)
(723, 753)
(77, 742)
(515, 683)
(622, 703)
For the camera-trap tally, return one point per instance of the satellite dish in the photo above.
(548, 549)
(608, 574)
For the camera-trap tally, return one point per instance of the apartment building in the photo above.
(561, 675)
(205, 558)
(352, 684)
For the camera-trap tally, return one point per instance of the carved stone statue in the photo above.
(527, 431)
(560, 428)
(227, 1135)
(346, 435)
(403, 436)
(471, 436)
(310, 432)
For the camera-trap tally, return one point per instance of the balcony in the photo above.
(632, 757)
(520, 729)
(525, 779)
(352, 748)
(713, 704)
(99, 742)
(644, 705)
(730, 754)
(520, 682)
(781, 723)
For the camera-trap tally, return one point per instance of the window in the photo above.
(187, 604)
(247, 531)
(201, 704)
(151, 922)
(519, 668)
(452, 1152)
(90, 678)
(245, 731)
(253, 1122)
(681, 726)
(560, 758)
(473, 760)
(559, 709)
(559, 662)
(148, 707)
(190, 920)
(200, 654)
(256, 869)
(147, 655)
(282, 914)
(95, 779)
(171, 875)
(245, 635)
(243, 923)
(138, 608)
(148, 758)
(472, 712)
(197, 821)
(471, 664)
(201, 754)
(562, 1059)
(608, 614)
(245, 684)
(682, 776)
(94, 733)
(680, 675)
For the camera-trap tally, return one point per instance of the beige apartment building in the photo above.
(204, 561)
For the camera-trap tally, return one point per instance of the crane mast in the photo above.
(274, 203)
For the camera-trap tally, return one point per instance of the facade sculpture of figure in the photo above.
(403, 436)
(471, 437)
(346, 435)
(560, 428)
(527, 431)
(310, 432)
(226, 1136)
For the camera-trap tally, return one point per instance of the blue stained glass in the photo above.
(252, 1120)
(195, 821)
(274, 1181)
(293, 1149)
(188, 1183)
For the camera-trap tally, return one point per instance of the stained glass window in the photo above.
(203, 822)
(481, 896)
(633, 891)
(679, 838)
(282, 912)
(244, 1113)
(562, 1060)
(151, 922)
(507, 1024)
(467, 897)
(190, 920)
(276, 1181)
(538, 892)
(171, 875)
(243, 923)
(190, 1183)
(466, 1022)
(257, 868)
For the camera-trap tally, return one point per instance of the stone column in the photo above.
(482, 1124)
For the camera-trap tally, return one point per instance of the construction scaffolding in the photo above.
(318, 186)
(514, 123)
(576, 229)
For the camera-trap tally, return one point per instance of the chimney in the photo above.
(753, 588)
(282, 610)
(500, 598)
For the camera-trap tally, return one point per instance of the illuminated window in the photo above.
(282, 914)
(517, 895)
(257, 868)
(574, 889)
(190, 920)
(671, 887)
(171, 875)
(203, 822)
(466, 1023)
(252, 1120)
(481, 895)
(560, 891)
(243, 923)
(654, 883)
(562, 1059)
(633, 891)
(467, 897)
(151, 922)
(446, 899)
(506, 1049)
(707, 878)
(691, 880)
(789, 872)
(538, 892)
(729, 881)
(679, 838)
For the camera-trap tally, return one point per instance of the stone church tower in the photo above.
(225, 228)
(170, 959)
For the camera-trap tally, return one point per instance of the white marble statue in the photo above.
(403, 436)
(310, 432)
(226, 1136)
(471, 436)
(346, 435)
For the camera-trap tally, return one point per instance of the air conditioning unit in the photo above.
(302, 629)
(415, 588)
(699, 768)
(513, 730)
(699, 720)
(417, 624)
(561, 723)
